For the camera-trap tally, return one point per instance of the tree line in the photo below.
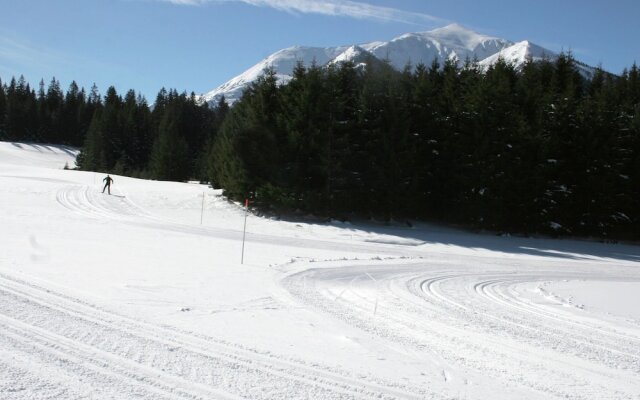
(535, 149)
(119, 134)
(47, 115)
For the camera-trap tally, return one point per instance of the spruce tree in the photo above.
(304, 112)
(92, 157)
(380, 143)
(43, 120)
(53, 110)
(497, 156)
(71, 115)
(427, 138)
(344, 87)
(3, 111)
(112, 129)
(21, 120)
(137, 127)
(170, 154)
(226, 166)
(92, 105)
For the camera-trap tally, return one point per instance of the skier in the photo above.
(107, 183)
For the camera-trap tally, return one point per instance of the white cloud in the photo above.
(342, 8)
(19, 55)
(21, 52)
(188, 2)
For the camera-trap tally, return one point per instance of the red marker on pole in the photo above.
(244, 231)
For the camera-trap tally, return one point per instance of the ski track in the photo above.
(465, 318)
(152, 361)
(477, 324)
(86, 201)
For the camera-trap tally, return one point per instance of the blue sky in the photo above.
(196, 45)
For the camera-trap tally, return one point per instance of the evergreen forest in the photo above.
(536, 150)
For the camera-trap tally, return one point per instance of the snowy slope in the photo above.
(355, 54)
(518, 54)
(521, 52)
(283, 62)
(450, 42)
(131, 296)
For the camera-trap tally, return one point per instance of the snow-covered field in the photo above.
(129, 296)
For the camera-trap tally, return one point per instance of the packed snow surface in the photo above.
(130, 296)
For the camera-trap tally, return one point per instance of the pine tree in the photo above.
(21, 120)
(170, 154)
(43, 120)
(565, 160)
(497, 161)
(93, 157)
(3, 111)
(129, 126)
(211, 117)
(304, 112)
(53, 110)
(246, 156)
(450, 178)
(92, 105)
(226, 167)
(343, 87)
(380, 141)
(112, 130)
(71, 115)
(620, 158)
(136, 118)
(427, 140)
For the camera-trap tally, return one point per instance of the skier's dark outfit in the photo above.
(107, 184)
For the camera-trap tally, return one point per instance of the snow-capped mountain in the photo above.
(451, 42)
(355, 54)
(517, 54)
(520, 52)
(283, 62)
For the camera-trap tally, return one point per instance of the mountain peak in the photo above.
(453, 28)
(456, 35)
(453, 41)
(456, 31)
(518, 54)
(359, 56)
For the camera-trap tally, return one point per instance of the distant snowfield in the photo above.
(129, 296)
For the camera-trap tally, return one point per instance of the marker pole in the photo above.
(244, 231)
(202, 211)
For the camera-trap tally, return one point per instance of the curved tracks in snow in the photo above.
(87, 202)
(118, 357)
(477, 322)
(54, 340)
(473, 324)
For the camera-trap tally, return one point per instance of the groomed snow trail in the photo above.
(115, 356)
(478, 323)
(87, 202)
(129, 297)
